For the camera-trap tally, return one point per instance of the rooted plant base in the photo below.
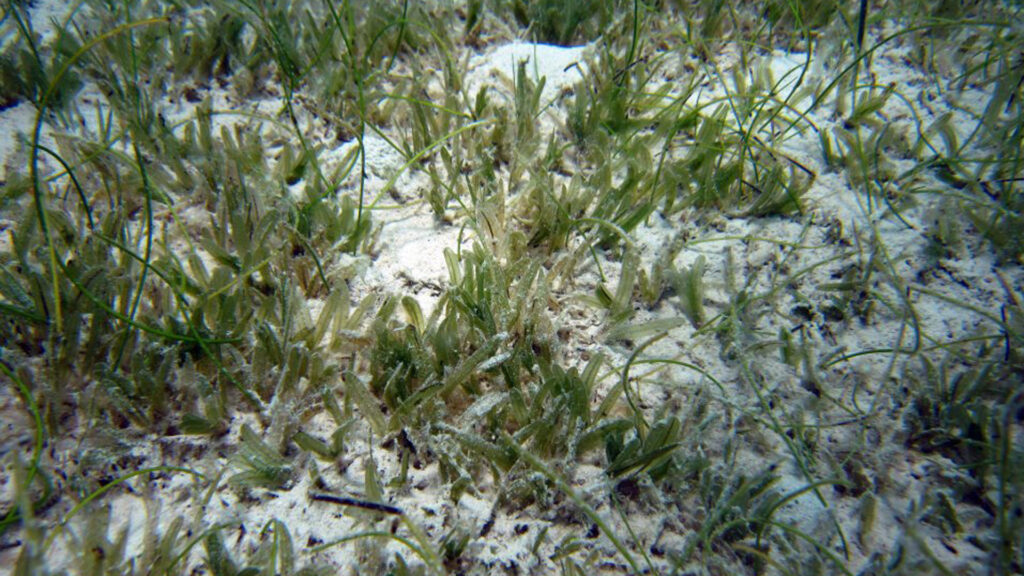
(574, 287)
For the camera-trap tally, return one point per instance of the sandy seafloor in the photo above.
(410, 260)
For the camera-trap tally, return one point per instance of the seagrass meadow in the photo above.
(579, 287)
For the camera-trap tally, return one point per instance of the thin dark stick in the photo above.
(862, 21)
(364, 504)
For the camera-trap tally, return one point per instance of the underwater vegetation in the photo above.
(743, 297)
